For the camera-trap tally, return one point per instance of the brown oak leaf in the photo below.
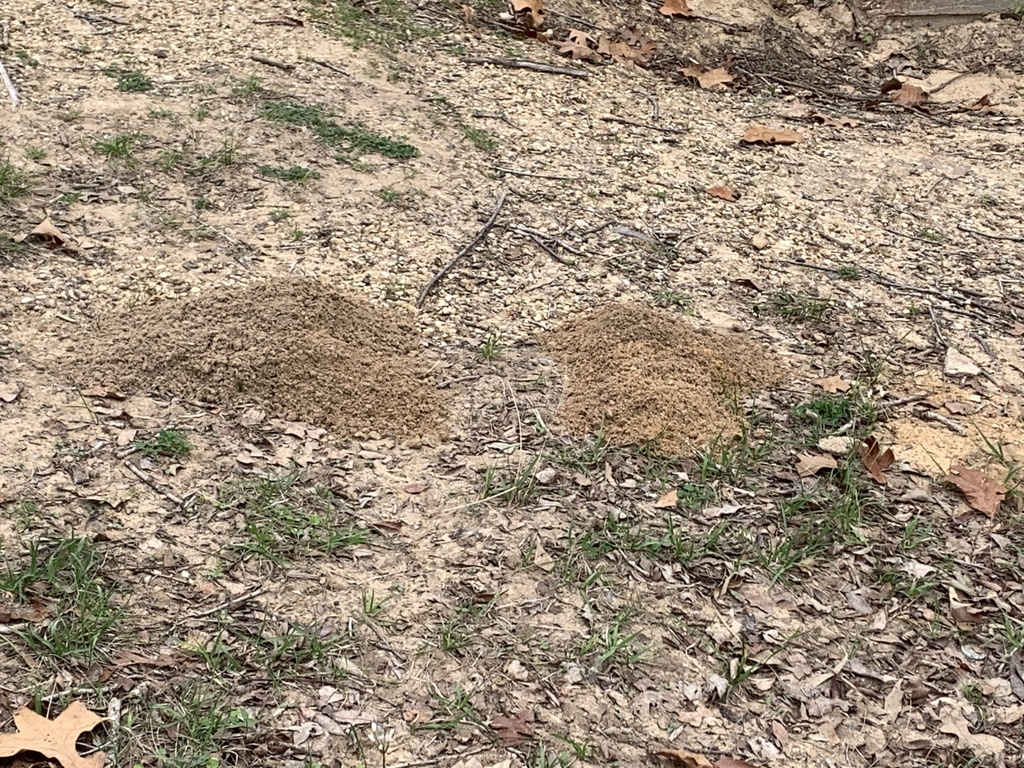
(760, 134)
(983, 493)
(904, 94)
(876, 461)
(55, 738)
(675, 8)
(577, 45)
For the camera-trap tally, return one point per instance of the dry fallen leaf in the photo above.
(577, 45)
(55, 738)
(726, 193)
(685, 759)
(833, 384)
(624, 52)
(534, 11)
(667, 500)
(51, 236)
(760, 134)
(514, 730)
(716, 78)
(963, 613)
(415, 488)
(982, 492)
(909, 96)
(876, 461)
(10, 392)
(808, 465)
(675, 8)
(732, 762)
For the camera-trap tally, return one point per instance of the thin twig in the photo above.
(990, 235)
(514, 172)
(903, 401)
(545, 236)
(984, 345)
(648, 126)
(328, 65)
(935, 324)
(271, 63)
(960, 429)
(153, 484)
(10, 86)
(472, 244)
(541, 243)
(232, 603)
(534, 66)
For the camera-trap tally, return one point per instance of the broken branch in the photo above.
(534, 66)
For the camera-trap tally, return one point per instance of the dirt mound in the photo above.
(639, 375)
(295, 346)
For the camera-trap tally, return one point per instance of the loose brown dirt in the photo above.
(301, 348)
(638, 375)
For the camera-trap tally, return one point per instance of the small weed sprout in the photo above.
(168, 442)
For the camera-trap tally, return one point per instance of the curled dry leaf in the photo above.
(761, 134)
(633, 49)
(55, 738)
(726, 193)
(715, 79)
(675, 8)
(876, 461)
(415, 488)
(982, 492)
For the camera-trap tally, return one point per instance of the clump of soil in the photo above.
(640, 375)
(295, 346)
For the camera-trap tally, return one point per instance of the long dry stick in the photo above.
(10, 86)
(534, 66)
(472, 244)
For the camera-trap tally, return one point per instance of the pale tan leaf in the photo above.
(833, 384)
(532, 9)
(982, 492)
(808, 465)
(716, 78)
(760, 134)
(55, 738)
(675, 8)
(667, 500)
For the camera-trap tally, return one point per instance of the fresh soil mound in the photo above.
(295, 346)
(639, 375)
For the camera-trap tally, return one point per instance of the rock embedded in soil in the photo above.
(296, 346)
(637, 375)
